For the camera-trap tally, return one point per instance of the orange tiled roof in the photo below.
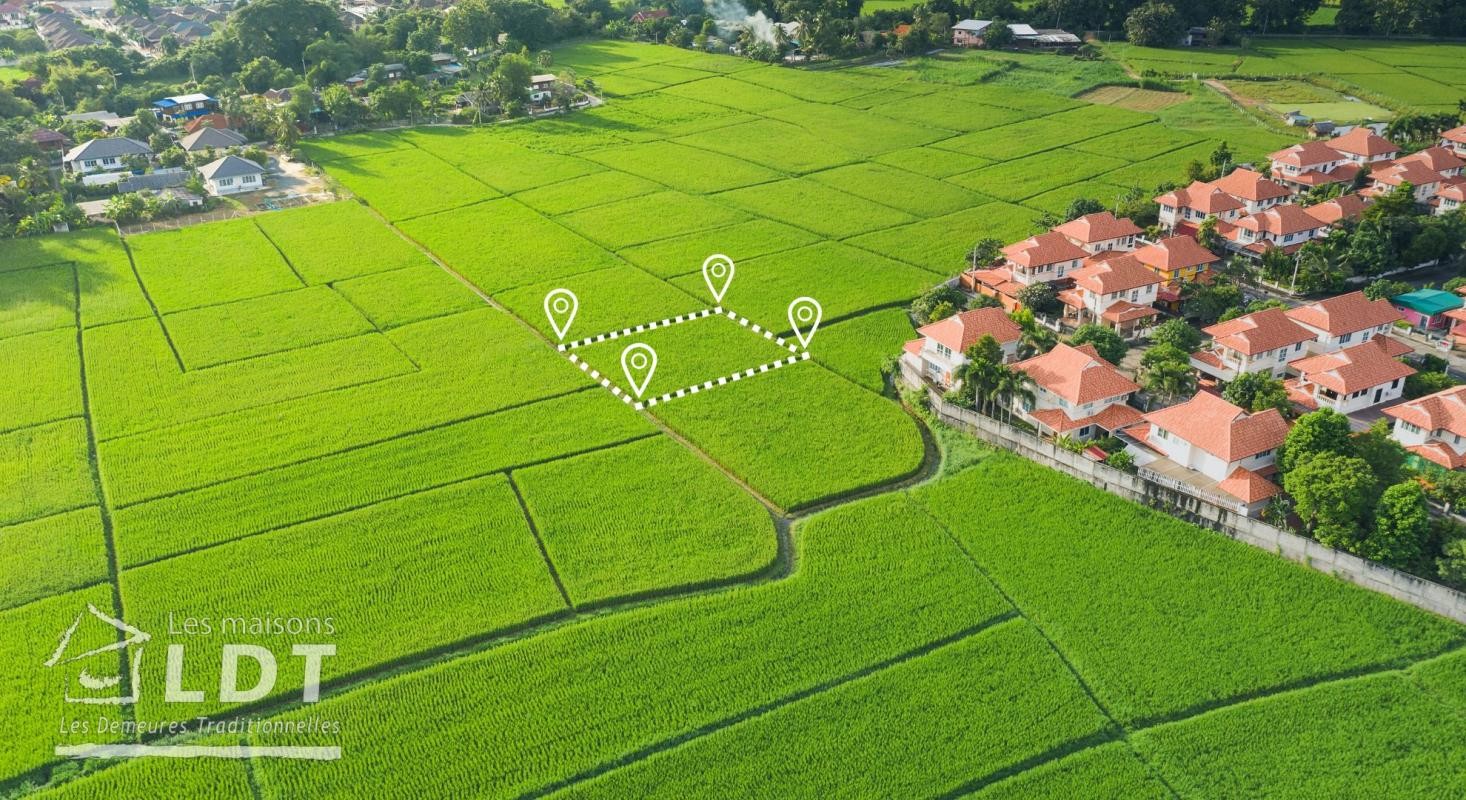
(1444, 410)
(1346, 313)
(1363, 142)
(1114, 416)
(1439, 453)
(1115, 275)
(1246, 184)
(1437, 158)
(913, 347)
(1077, 374)
(1305, 154)
(1248, 486)
(1176, 252)
(1045, 248)
(961, 331)
(1455, 192)
(1363, 366)
(1208, 422)
(1098, 227)
(1348, 206)
(1455, 135)
(1258, 332)
(1415, 172)
(1203, 197)
(1280, 220)
(1126, 311)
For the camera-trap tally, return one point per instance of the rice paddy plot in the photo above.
(1056, 201)
(51, 555)
(353, 145)
(504, 243)
(1138, 143)
(812, 205)
(683, 255)
(1036, 174)
(780, 145)
(508, 167)
(949, 110)
(259, 326)
(209, 264)
(409, 183)
(335, 241)
(856, 131)
(408, 295)
(688, 169)
(664, 74)
(610, 299)
(39, 299)
(814, 87)
(44, 469)
(857, 347)
(588, 190)
(940, 245)
(1132, 98)
(932, 162)
(732, 93)
(1107, 771)
(691, 353)
(40, 379)
(844, 279)
(644, 517)
(648, 218)
(908, 191)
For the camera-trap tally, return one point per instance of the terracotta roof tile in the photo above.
(1175, 252)
(1045, 248)
(1353, 369)
(1258, 332)
(1415, 172)
(961, 331)
(1246, 184)
(1439, 453)
(1363, 142)
(1348, 206)
(1346, 313)
(1126, 311)
(1220, 428)
(1077, 374)
(1444, 410)
(1305, 154)
(1098, 227)
(1115, 275)
(1436, 158)
(1280, 220)
(1248, 486)
(1203, 197)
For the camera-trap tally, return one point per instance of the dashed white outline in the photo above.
(800, 354)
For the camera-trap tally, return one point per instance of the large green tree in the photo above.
(1401, 527)
(510, 82)
(281, 29)
(1110, 346)
(1155, 24)
(1256, 391)
(1315, 433)
(1333, 494)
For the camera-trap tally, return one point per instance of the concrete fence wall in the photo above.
(1216, 513)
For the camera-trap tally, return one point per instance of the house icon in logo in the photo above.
(97, 687)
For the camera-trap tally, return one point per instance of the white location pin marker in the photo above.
(717, 270)
(804, 316)
(639, 362)
(560, 307)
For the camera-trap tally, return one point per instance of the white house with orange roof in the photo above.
(1345, 320)
(1101, 231)
(1455, 140)
(1176, 258)
(1309, 164)
(1285, 226)
(1076, 393)
(1190, 206)
(1433, 427)
(1263, 341)
(1442, 160)
(1045, 258)
(1450, 198)
(1220, 441)
(1252, 189)
(940, 351)
(1118, 292)
(1425, 182)
(1351, 379)
(1344, 208)
(1362, 145)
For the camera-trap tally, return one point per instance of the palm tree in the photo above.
(1170, 379)
(1036, 340)
(980, 378)
(1014, 385)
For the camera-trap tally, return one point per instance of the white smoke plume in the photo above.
(733, 18)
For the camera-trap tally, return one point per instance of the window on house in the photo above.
(1394, 383)
(1084, 431)
(943, 349)
(1297, 347)
(1282, 353)
(225, 182)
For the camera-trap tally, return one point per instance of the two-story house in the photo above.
(969, 32)
(184, 106)
(1309, 164)
(104, 155)
(1351, 379)
(1186, 208)
(1362, 145)
(1045, 258)
(1455, 140)
(1119, 292)
(940, 352)
(1176, 259)
(1286, 226)
(1450, 198)
(1263, 341)
(1345, 207)
(1433, 427)
(1075, 392)
(1221, 441)
(1101, 232)
(1252, 189)
(1345, 320)
(1425, 182)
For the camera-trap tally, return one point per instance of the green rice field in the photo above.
(543, 585)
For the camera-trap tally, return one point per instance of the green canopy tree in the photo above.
(1333, 494)
(1315, 433)
(1257, 391)
(1401, 527)
(1110, 346)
